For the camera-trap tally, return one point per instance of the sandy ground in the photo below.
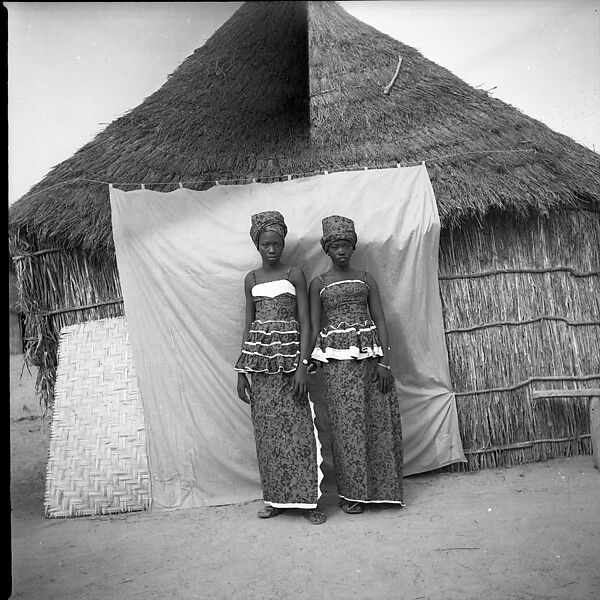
(527, 532)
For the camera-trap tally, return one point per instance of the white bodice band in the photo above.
(328, 285)
(271, 289)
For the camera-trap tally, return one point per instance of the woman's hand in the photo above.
(243, 388)
(313, 366)
(384, 379)
(300, 386)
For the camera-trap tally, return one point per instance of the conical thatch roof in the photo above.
(294, 87)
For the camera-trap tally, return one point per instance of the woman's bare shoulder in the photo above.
(318, 281)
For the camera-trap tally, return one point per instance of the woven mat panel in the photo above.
(97, 461)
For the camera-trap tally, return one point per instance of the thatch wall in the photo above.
(60, 288)
(521, 302)
(15, 333)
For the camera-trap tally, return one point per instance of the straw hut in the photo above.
(295, 88)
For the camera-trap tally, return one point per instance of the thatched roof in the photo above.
(294, 87)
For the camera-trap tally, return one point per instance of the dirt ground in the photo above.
(529, 532)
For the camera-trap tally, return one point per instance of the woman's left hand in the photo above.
(300, 386)
(312, 367)
(384, 379)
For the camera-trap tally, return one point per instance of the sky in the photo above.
(73, 68)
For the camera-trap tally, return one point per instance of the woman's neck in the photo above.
(272, 268)
(340, 273)
(270, 272)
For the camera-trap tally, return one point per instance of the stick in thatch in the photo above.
(388, 87)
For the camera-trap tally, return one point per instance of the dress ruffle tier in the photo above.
(271, 347)
(346, 341)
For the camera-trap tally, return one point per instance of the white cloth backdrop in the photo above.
(182, 257)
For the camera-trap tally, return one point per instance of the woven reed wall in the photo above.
(97, 462)
(521, 303)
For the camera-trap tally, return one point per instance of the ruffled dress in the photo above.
(273, 342)
(287, 443)
(349, 332)
(365, 424)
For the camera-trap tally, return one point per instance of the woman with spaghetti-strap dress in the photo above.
(272, 376)
(351, 345)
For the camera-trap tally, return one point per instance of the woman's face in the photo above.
(340, 252)
(270, 246)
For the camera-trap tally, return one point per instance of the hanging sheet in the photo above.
(182, 257)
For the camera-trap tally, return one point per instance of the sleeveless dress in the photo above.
(365, 424)
(287, 444)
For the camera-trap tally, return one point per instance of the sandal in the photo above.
(351, 508)
(315, 516)
(268, 511)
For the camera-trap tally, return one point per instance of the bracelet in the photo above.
(384, 366)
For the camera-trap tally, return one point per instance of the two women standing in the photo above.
(349, 338)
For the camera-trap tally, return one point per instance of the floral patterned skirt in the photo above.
(366, 432)
(287, 443)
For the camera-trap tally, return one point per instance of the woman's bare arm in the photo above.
(300, 377)
(384, 374)
(314, 296)
(243, 385)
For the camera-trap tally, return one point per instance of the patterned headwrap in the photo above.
(336, 228)
(270, 220)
